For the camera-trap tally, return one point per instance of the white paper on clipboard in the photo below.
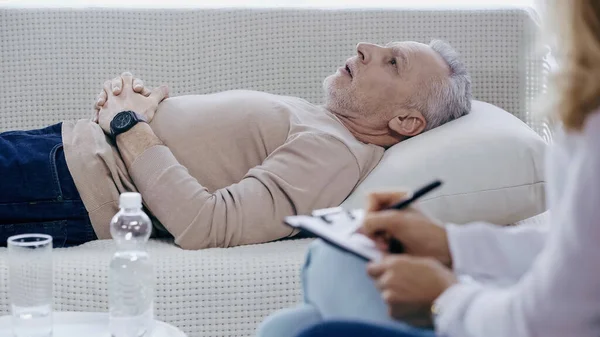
(339, 230)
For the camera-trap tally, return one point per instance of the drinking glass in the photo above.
(30, 284)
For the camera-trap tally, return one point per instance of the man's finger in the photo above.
(127, 78)
(160, 93)
(116, 86)
(100, 100)
(146, 92)
(138, 85)
(102, 97)
(108, 89)
(380, 200)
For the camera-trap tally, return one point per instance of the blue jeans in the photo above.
(360, 329)
(37, 193)
(336, 287)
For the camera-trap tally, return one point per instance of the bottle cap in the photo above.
(130, 200)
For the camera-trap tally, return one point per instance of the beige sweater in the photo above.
(234, 164)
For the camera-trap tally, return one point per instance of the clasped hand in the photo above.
(126, 93)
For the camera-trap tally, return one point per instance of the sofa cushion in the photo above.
(206, 293)
(491, 164)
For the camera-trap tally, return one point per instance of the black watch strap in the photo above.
(124, 121)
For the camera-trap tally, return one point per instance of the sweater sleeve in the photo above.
(309, 171)
(559, 295)
(495, 253)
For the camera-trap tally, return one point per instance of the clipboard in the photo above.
(338, 227)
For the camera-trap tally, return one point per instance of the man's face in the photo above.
(380, 79)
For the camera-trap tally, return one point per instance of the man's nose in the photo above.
(365, 51)
(369, 51)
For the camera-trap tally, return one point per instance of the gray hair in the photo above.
(447, 98)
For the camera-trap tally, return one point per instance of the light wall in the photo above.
(263, 3)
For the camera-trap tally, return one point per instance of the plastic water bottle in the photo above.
(131, 277)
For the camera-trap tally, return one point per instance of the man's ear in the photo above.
(409, 124)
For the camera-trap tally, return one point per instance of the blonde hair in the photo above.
(574, 26)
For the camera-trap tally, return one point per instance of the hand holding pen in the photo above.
(409, 282)
(397, 227)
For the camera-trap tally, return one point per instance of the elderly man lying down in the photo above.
(224, 169)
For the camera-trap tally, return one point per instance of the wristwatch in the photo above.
(124, 121)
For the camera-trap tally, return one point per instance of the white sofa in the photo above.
(54, 61)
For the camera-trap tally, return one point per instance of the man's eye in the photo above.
(393, 62)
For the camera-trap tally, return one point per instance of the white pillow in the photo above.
(491, 164)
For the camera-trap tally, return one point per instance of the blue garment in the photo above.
(37, 192)
(361, 329)
(336, 287)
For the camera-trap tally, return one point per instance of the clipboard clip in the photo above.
(325, 213)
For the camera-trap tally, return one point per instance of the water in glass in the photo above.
(30, 284)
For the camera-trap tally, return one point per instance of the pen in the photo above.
(395, 246)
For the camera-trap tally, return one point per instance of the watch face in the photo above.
(122, 120)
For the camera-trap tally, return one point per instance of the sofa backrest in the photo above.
(53, 62)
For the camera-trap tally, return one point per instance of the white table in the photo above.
(88, 324)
